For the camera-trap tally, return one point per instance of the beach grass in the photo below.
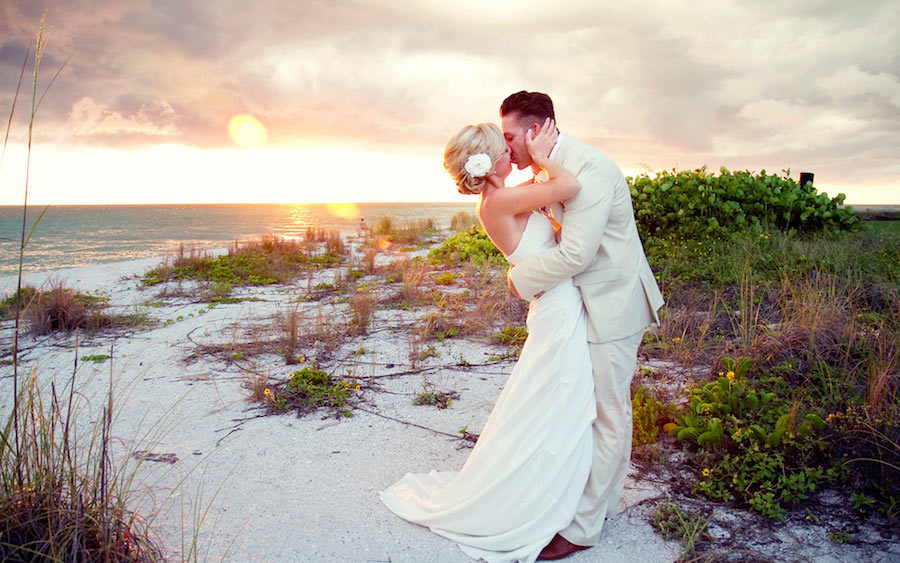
(60, 309)
(463, 220)
(257, 262)
(885, 227)
(62, 498)
(407, 232)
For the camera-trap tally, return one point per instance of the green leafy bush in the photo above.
(441, 400)
(695, 204)
(312, 388)
(8, 305)
(755, 445)
(647, 414)
(469, 245)
(267, 261)
(512, 336)
(446, 278)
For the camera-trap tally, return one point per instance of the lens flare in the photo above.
(247, 132)
(343, 210)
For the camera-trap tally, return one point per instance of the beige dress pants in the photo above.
(613, 364)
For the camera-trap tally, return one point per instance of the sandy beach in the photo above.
(250, 484)
(281, 487)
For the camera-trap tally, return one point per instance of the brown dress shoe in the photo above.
(558, 548)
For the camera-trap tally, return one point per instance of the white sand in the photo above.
(288, 488)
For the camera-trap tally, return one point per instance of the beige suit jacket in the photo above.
(600, 249)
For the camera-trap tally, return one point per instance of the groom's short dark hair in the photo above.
(535, 105)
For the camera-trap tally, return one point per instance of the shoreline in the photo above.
(89, 278)
(72, 236)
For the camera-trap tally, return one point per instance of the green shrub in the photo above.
(264, 262)
(8, 305)
(756, 446)
(469, 245)
(440, 400)
(694, 204)
(446, 278)
(512, 336)
(647, 414)
(311, 388)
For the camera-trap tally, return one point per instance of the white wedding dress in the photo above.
(522, 481)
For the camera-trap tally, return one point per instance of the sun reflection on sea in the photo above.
(303, 217)
(343, 210)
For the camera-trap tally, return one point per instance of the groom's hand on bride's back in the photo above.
(509, 282)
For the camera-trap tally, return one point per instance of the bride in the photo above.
(522, 482)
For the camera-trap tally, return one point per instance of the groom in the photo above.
(600, 249)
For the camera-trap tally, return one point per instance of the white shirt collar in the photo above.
(556, 146)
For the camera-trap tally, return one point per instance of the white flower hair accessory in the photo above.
(478, 165)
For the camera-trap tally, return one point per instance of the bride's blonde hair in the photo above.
(472, 139)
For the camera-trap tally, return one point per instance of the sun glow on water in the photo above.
(343, 210)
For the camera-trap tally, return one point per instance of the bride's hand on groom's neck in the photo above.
(540, 143)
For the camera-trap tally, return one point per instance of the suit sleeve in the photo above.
(585, 220)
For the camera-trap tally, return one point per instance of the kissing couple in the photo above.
(550, 464)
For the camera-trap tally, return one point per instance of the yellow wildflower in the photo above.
(357, 387)
(268, 391)
(831, 417)
(730, 375)
(302, 359)
(705, 472)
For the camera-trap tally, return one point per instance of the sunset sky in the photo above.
(354, 101)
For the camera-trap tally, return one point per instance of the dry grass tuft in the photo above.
(291, 333)
(410, 231)
(257, 384)
(369, 259)
(62, 310)
(362, 309)
(463, 220)
(58, 310)
(412, 280)
(61, 499)
(334, 243)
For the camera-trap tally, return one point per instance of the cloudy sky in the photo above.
(354, 100)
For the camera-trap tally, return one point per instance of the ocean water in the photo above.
(83, 235)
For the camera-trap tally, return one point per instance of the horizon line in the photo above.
(19, 205)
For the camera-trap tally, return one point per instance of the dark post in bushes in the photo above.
(806, 177)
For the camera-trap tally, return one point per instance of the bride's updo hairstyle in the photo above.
(471, 140)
